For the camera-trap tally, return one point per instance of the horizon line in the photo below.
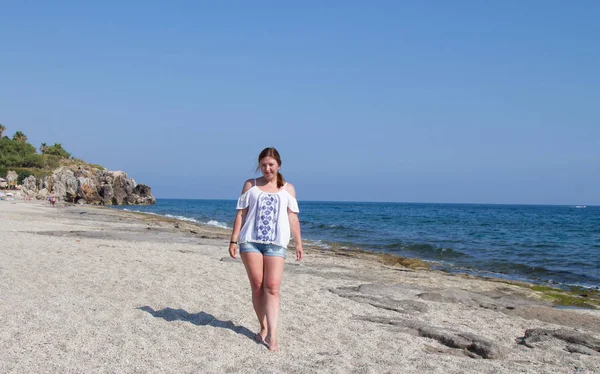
(396, 202)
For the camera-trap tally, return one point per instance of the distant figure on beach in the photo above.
(267, 213)
(52, 201)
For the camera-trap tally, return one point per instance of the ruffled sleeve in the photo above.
(244, 200)
(293, 204)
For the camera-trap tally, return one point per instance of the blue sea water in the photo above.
(556, 245)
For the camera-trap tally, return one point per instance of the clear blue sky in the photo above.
(409, 101)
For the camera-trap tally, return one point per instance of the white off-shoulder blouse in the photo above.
(267, 218)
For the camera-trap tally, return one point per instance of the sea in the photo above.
(552, 245)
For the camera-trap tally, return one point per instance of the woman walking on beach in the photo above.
(267, 213)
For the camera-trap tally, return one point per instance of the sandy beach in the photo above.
(87, 289)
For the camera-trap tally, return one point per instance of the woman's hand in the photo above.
(299, 252)
(233, 250)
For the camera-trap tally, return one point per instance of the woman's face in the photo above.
(269, 167)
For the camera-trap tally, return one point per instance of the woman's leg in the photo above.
(273, 272)
(253, 261)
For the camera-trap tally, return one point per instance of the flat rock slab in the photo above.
(573, 341)
(470, 344)
(389, 297)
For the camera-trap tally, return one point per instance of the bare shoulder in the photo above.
(290, 188)
(247, 185)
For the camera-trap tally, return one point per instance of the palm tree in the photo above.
(20, 137)
(43, 148)
(2, 129)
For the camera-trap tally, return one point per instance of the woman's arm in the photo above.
(238, 222)
(295, 226)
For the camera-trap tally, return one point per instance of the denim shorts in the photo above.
(264, 249)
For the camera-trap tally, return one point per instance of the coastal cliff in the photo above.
(85, 184)
(54, 172)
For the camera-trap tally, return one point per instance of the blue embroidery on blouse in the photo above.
(267, 214)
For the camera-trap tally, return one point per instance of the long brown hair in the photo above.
(272, 152)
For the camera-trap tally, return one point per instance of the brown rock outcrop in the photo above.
(85, 184)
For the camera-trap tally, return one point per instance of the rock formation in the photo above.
(85, 184)
(11, 178)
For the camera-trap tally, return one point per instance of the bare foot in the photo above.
(272, 345)
(260, 336)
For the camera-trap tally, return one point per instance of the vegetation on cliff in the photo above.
(19, 155)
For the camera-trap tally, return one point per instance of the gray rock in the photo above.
(87, 190)
(88, 185)
(42, 194)
(469, 344)
(379, 297)
(581, 350)
(64, 184)
(29, 186)
(455, 339)
(11, 176)
(142, 194)
(574, 340)
(106, 194)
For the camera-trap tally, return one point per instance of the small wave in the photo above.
(446, 241)
(217, 224)
(328, 226)
(182, 218)
(330, 245)
(318, 243)
(140, 211)
(537, 277)
(505, 267)
(591, 287)
(484, 273)
(541, 273)
(428, 251)
(336, 230)
(540, 245)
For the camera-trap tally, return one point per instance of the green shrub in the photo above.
(57, 150)
(33, 161)
(11, 160)
(18, 150)
(51, 161)
(22, 175)
(18, 155)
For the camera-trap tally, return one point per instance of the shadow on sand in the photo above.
(199, 319)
